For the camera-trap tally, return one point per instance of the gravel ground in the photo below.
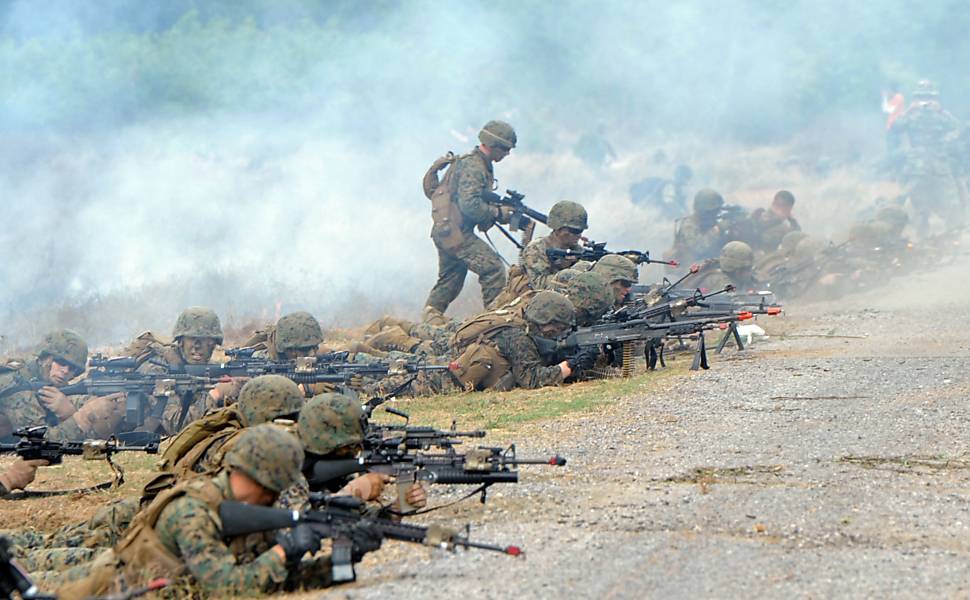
(824, 466)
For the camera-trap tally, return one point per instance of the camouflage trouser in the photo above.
(453, 265)
(103, 530)
(941, 194)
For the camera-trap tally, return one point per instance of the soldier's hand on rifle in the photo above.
(502, 214)
(99, 417)
(225, 392)
(20, 473)
(55, 401)
(583, 360)
(297, 542)
(366, 539)
(416, 496)
(367, 487)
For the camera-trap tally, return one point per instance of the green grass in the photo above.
(508, 410)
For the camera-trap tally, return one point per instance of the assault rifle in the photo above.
(342, 519)
(522, 218)
(385, 438)
(482, 466)
(593, 251)
(642, 308)
(34, 445)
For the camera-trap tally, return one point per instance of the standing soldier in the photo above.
(924, 140)
(459, 204)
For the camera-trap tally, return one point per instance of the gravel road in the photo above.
(831, 464)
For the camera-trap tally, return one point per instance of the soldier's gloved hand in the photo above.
(366, 539)
(503, 214)
(55, 401)
(367, 487)
(583, 360)
(297, 542)
(225, 392)
(99, 417)
(20, 474)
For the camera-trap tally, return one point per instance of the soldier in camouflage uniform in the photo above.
(294, 335)
(735, 266)
(535, 270)
(196, 334)
(590, 293)
(501, 351)
(777, 261)
(621, 272)
(61, 357)
(699, 236)
(331, 427)
(470, 180)
(923, 143)
(199, 449)
(179, 534)
(770, 226)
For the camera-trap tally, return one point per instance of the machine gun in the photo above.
(342, 519)
(33, 445)
(618, 338)
(593, 251)
(482, 466)
(522, 218)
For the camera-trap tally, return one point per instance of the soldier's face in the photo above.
(498, 153)
(553, 331)
(782, 209)
(620, 289)
(246, 490)
(196, 350)
(567, 236)
(60, 373)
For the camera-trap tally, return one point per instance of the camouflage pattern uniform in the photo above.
(768, 229)
(155, 357)
(534, 260)
(924, 140)
(698, 236)
(261, 400)
(475, 179)
(734, 266)
(24, 408)
(188, 529)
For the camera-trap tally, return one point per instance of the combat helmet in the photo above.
(707, 201)
(790, 242)
(198, 321)
(66, 346)
(736, 256)
(567, 214)
(330, 421)
(268, 455)
(589, 293)
(550, 307)
(296, 331)
(614, 267)
(498, 134)
(268, 397)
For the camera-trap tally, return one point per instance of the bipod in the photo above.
(700, 355)
(732, 332)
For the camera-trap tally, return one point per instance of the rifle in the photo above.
(593, 251)
(34, 445)
(522, 218)
(341, 519)
(642, 308)
(619, 337)
(482, 466)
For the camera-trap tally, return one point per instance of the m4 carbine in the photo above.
(342, 519)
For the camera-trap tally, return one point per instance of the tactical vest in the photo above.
(480, 365)
(516, 286)
(187, 449)
(140, 555)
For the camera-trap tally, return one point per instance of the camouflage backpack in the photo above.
(480, 364)
(446, 217)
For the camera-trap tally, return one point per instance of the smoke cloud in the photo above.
(258, 156)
